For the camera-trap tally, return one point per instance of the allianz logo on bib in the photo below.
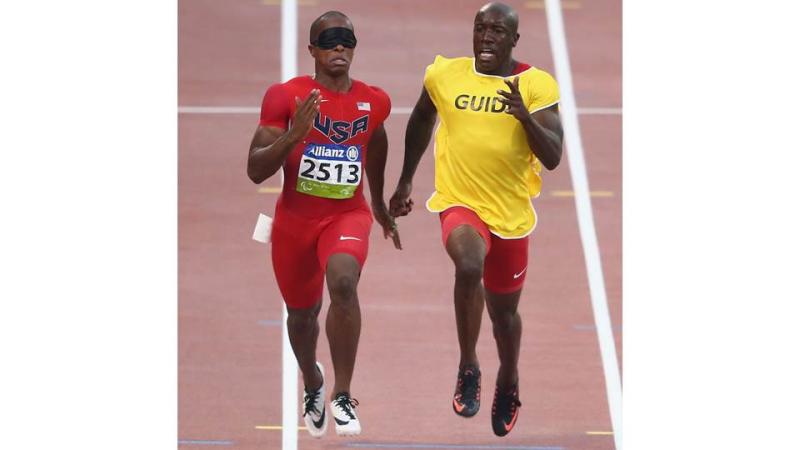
(334, 152)
(322, 151)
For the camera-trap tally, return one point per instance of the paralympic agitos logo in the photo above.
(475, 103)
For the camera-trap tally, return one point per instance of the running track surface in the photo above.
(229, 305)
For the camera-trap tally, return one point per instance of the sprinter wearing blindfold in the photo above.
(326, 132)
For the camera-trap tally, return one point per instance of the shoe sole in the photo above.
(317, 434)
(344, 431)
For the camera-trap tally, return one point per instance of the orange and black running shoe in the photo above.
(505, 410)
(467, 399)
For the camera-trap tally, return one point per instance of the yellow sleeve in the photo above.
(431, 75)
(542, 91)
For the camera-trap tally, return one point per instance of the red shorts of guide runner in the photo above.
(506, 262)
(301, 247)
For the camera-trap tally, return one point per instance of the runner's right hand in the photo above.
(304, 115)
(388, 224)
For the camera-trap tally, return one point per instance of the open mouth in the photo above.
(486, 54)
(339, 62)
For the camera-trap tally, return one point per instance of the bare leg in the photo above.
(343, 325)
(507, 327)
(467, 250)
(303, 332)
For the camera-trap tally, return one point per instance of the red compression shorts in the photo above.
(506, 262)
(301, 247)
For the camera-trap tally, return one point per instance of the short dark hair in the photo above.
(317, 23)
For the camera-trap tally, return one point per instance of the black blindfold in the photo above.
(331, 37)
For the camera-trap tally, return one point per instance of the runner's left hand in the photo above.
(513, 101)
(401, 203)
(381, 214)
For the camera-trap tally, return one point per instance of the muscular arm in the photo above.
(542, 128)
(376, 163)
(271, 145)
(545, 135)
(418, 136)
(268, 150)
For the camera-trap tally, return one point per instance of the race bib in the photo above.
(330, 170)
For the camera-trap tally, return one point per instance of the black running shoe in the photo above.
(467, 398)
(505, 410)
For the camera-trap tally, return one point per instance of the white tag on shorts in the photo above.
(263, 228)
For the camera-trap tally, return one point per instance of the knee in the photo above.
(469, 270)
(503, 320)
(301, 320)
(343, 290)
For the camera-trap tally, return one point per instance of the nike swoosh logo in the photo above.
(348, 238)
(510, 425)
(340, 422)
(457, 406)
(323, 100)
(517, 275)
(318, 423)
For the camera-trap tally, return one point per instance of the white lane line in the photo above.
(600, 111)
(218, 110)
(399, 110)
(583, 205)
(288, 364)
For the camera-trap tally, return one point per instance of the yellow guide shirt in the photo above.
(482, 158)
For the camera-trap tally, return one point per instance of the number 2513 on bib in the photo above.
(330, 170)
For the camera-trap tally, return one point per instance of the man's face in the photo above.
(492, 40)
(333, 60)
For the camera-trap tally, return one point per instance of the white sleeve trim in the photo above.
(543, 107)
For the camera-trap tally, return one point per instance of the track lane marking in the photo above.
(204, 442)
(540, 4)
(583, 208)
(433, 446)
(275, 427)
(289, 369)
(299, 2)
(572, 193)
